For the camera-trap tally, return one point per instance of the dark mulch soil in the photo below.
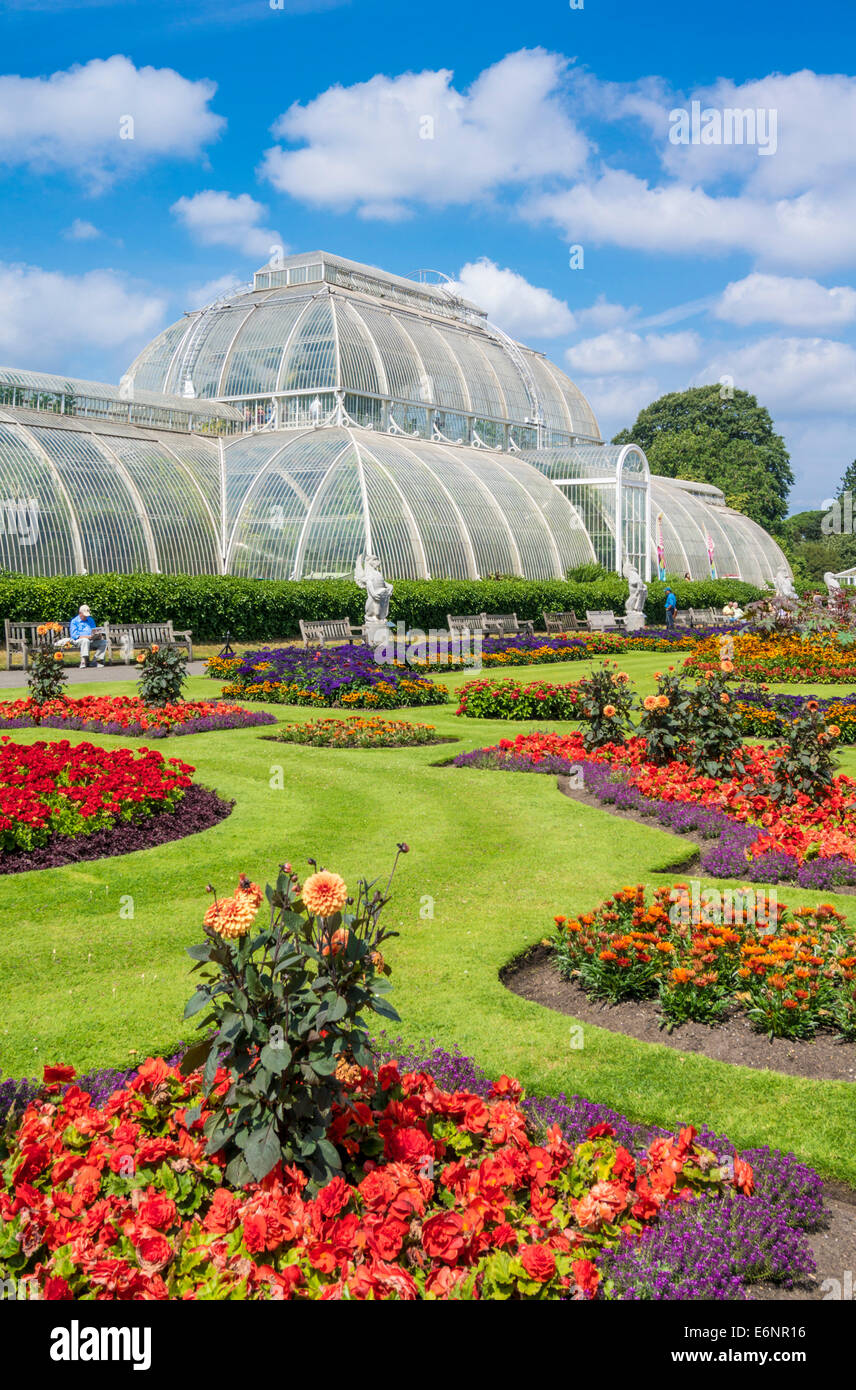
(198, 810)
(537, 978)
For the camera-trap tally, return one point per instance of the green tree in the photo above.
(848, 480)
(730, 443)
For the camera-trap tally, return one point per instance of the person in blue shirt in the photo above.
(81, 630)
(671, 605)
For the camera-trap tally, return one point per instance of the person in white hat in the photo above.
(83, 632)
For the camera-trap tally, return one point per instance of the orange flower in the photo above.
(726, 666)
(724, 698)
(233, 917)
(663, 702)
(650, 702)
(833, 731)
(57, 656)
(324, 893)
(608, 711)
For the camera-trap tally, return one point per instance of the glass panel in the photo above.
(445, 386)
(112, 534)
(35, 525)
(183, 528)
(311, 360)
(257, 355)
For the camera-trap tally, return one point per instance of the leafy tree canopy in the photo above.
(730, 443)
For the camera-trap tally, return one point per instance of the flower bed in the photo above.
(444, 1194)
(511, 699)
(823, 657)
(754, 1237)
(329, 676)
(129, 716)
(524, 650)
(359, 732)
(810, 842)
(57, 789)
(765, 714)
(791, 972)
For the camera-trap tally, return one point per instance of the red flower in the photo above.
(222, 1215)
(155, 1252)
(56, 1289)
(443, 1237)
(157, 1211)
(586, 1277)
(59, 1073)
(334, 1197)
(539, 1262)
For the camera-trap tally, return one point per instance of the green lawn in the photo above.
(493, 857)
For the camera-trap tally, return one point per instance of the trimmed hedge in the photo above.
(259, 610)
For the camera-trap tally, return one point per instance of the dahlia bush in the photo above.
(285, 1006)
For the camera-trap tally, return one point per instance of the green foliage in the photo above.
(848, 480)
(605, 700)
(807, 764)
(666, 726)
(163, 674)
(715, 727)
(264, 610)
(731, 444)
(285, 1005)
(47, 677)
(592, 573)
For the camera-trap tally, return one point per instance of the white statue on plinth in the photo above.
(369, 576)
(784, 585)
(832, 584)
(634, 604)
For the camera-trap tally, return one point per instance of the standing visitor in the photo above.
(671, 605)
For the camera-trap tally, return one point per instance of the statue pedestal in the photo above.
(634, 621)
(376, 632)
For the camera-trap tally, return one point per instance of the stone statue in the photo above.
(634, 604)
(832, 584)
(369, 576)
(784, 585)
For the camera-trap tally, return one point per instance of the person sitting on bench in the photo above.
(83, 632)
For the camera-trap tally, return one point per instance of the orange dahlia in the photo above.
(324, 894)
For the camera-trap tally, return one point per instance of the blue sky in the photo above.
(481, 140)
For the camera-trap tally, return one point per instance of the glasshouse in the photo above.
(329, 409)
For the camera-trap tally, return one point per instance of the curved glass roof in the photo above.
(741, 548)
(305, 504)
(359, 331)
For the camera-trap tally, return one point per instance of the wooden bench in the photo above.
(319, 633)
(563, 622)
(26, 638)
(683, 619)
(465, 622)
(602, 621)
(703, 617)
(128, 638)
(500, 624)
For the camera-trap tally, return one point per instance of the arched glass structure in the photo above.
(330, 409)
(385, 349)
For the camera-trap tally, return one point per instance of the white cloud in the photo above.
(604, 314)
(813, 116)
(197, 296)
(81, 119)
(44, 313)
(809, 375)
(81, 230)
(809, 232)
(617, 400)
(516, 306)
(219, 219)
(624, 351)
(381, 144)
(796, 303)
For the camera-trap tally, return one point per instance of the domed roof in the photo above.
(317, 323)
